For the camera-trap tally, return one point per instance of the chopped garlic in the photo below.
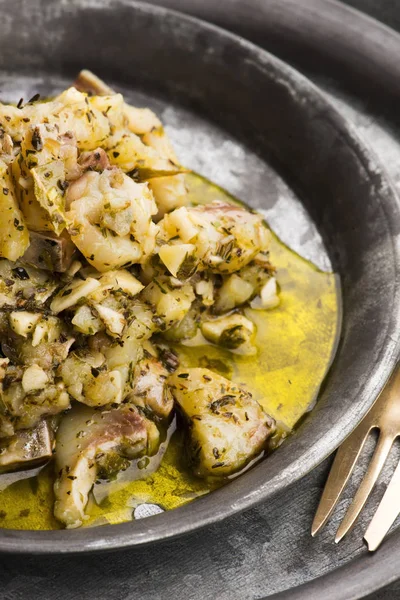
(85, 321)
(179, 223)
(23, 322)
(34, 378)
(268, 297)
(174, 256)
(205, 289)
(234, 292)
(112, 319)
(72, 293)
(122, 280)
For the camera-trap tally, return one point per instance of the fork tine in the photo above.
(379, 458)
(386, 513)
(342, 467)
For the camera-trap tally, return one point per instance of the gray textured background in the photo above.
(267, 549)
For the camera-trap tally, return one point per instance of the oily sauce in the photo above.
(296, 343)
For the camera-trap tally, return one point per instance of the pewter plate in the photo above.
(270, 137)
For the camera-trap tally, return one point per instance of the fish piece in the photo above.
(149, 389)
(91, 444)
(227, 427)
(109, 219)
(226, 237)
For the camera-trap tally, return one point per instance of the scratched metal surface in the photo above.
(257, 554)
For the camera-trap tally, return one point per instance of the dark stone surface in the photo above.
(267, 549)
(387, 11)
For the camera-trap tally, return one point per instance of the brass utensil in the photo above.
(385, 417)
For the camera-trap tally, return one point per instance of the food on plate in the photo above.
(227, 427)
(92, 443)
(107, 268)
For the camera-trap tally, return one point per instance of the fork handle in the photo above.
(385, 415)
(386, 513)
(385, 412)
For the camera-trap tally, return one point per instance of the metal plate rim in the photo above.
(11, 541)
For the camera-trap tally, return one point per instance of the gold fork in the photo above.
(384, 416)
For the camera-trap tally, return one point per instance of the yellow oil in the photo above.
(296, 343)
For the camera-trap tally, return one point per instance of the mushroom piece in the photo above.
(233, 332)
(90, 83)
(49, 251)
(227, 427)
(27, 448)
(92, 444)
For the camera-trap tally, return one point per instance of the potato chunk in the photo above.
(48, 193)
(227, 427)
(14, 236)
(170, 305)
